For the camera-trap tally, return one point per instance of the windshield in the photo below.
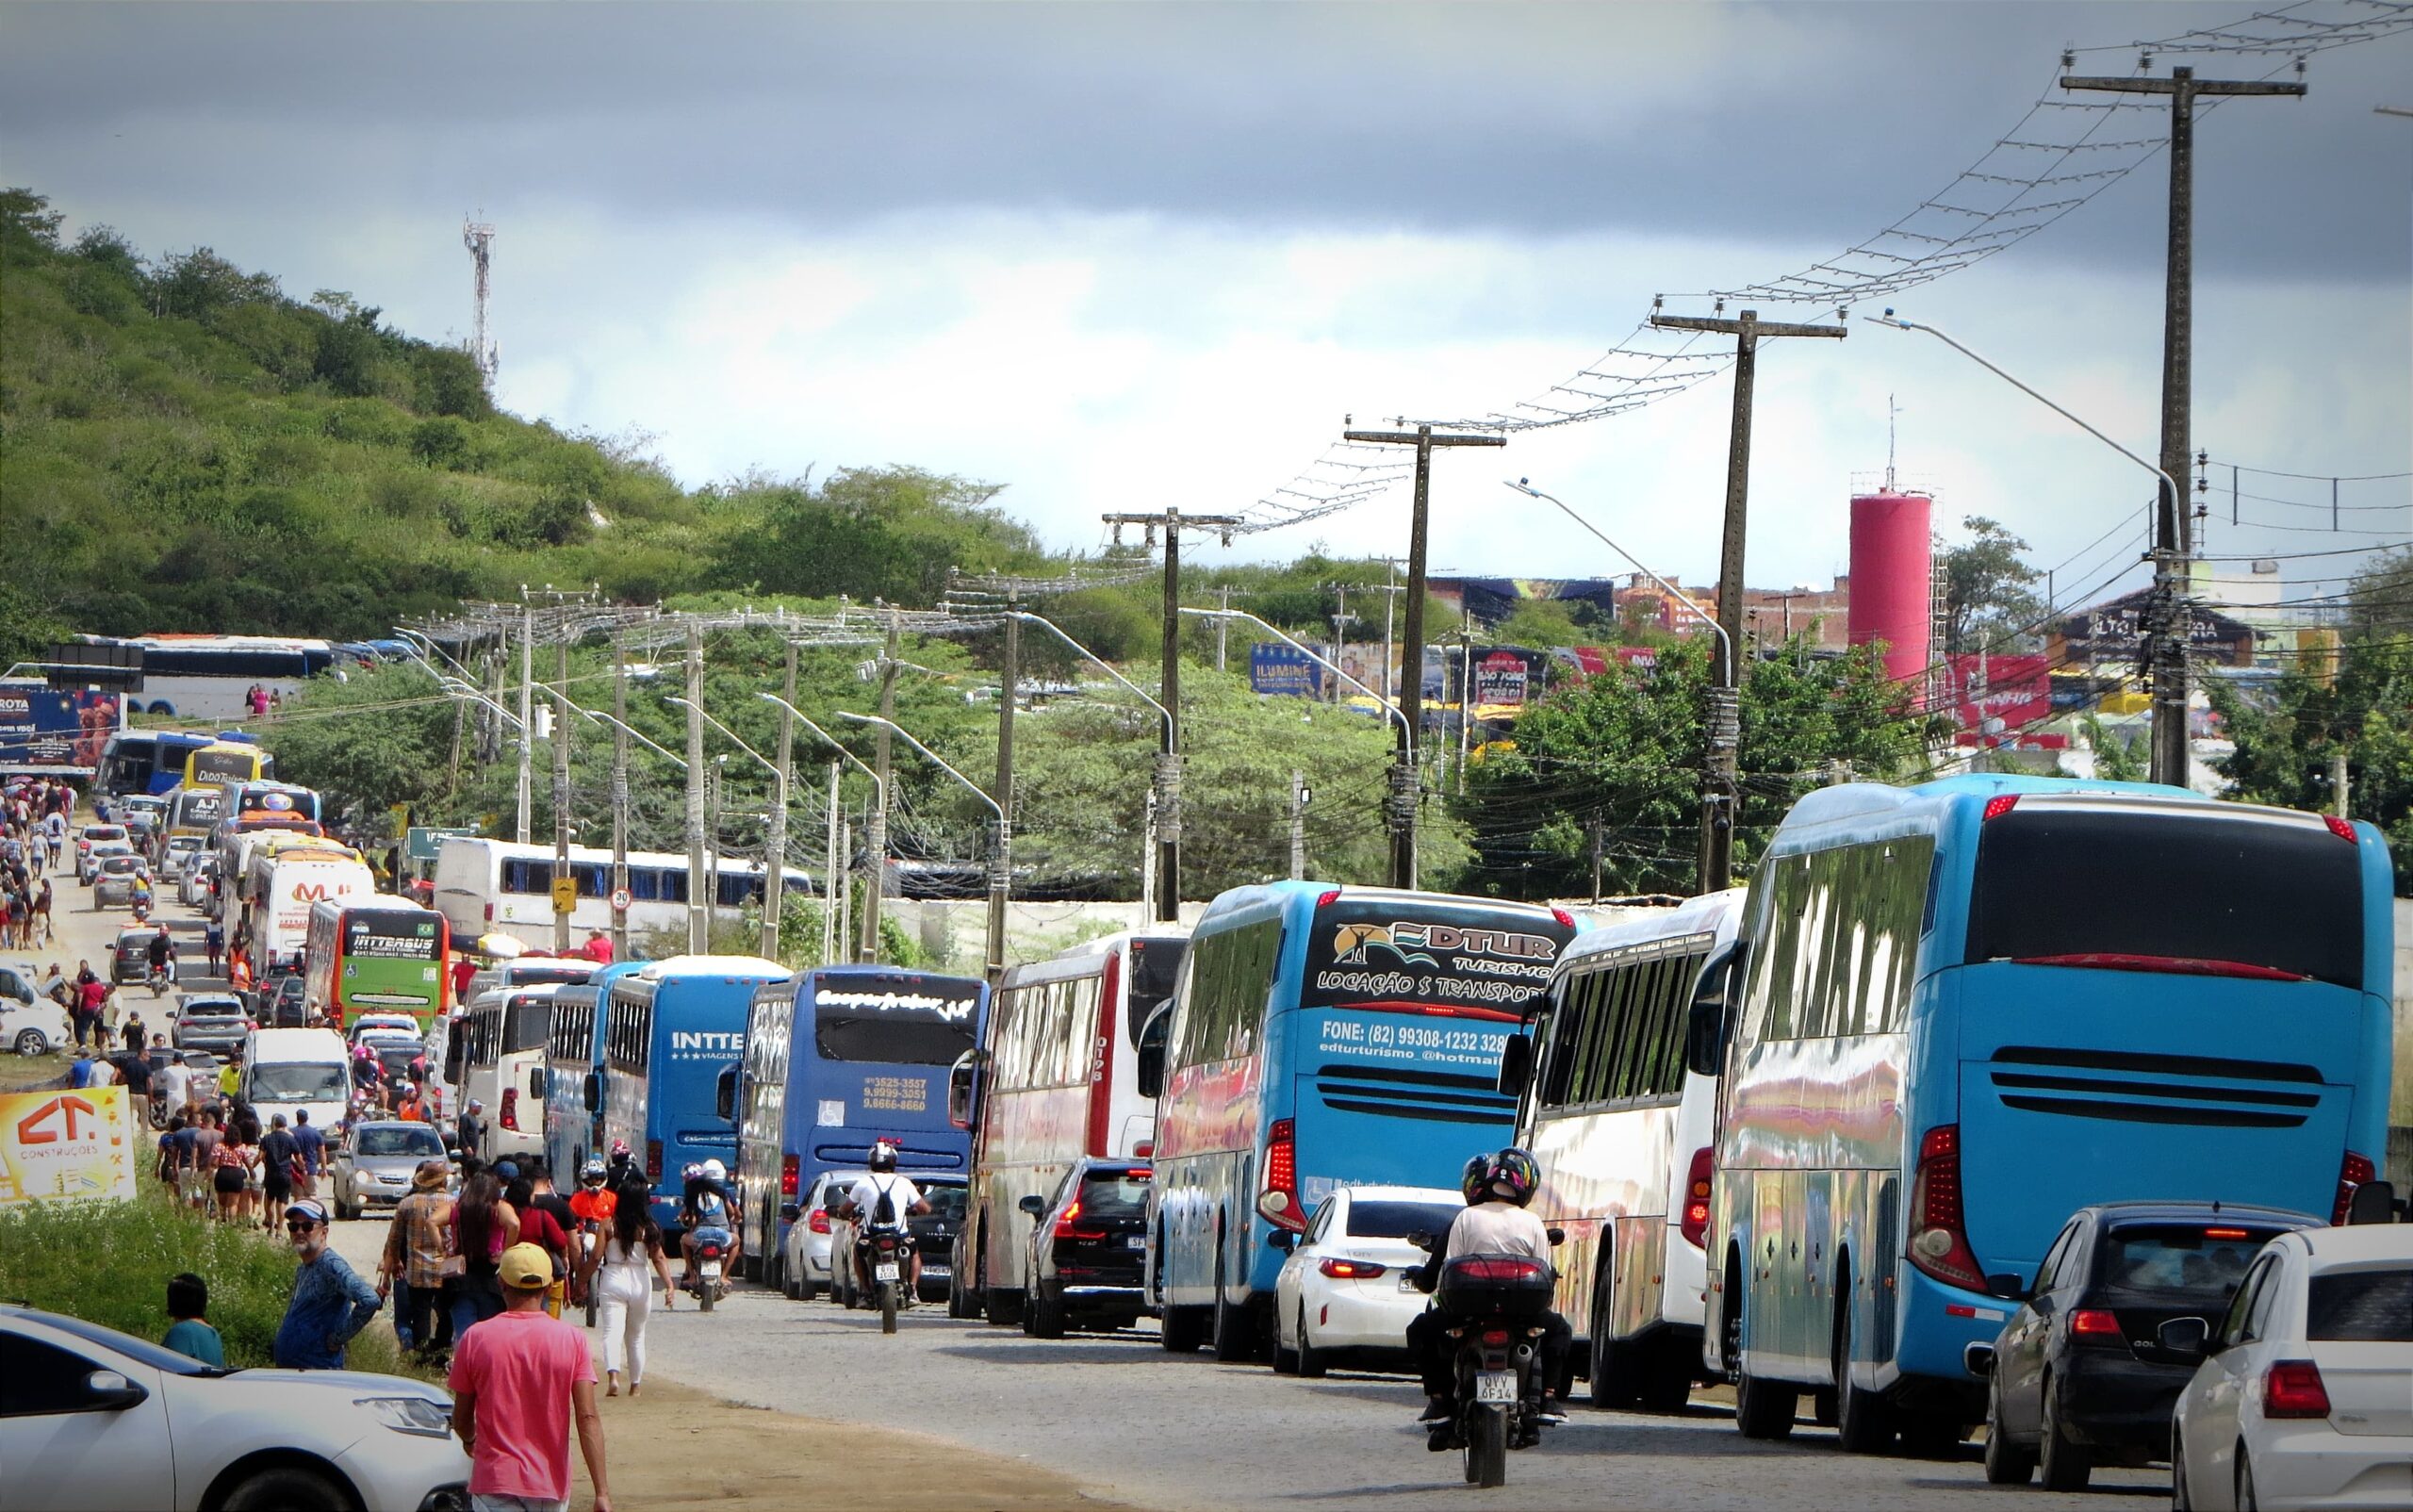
(889, 1041)
(1382, 1219)
(420, 1142)
(900, 1019)
(149, 1354)
(1115, 1194)
(2061, 883)
(294, 1082)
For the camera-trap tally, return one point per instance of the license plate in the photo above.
(711, 1270)
(884, 1271)
(1407, 1281)
(1134, 1242)
(1495, 1386)
(935, 1272)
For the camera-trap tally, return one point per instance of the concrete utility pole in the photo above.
(527, 712)
(833, 876)
(1223, 627)
(1168, 783)
(701, 886)
(1720, 781)
(561, 796)
(2173, 538)
(619, 798)
(1341, 620)
(877, 824)
(775, 867)
(1002, 791)
(1411, 699)
(1299, 796)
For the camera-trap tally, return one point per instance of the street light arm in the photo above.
(1522, 486)
(938, 761)
(1052, 627)
(831, 741)
(734, 738)
(1387, 705)
(459, 690)
(634, 734)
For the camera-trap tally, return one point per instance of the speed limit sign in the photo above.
(621, 899)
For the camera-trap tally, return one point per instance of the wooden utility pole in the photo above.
(876, 827)
(2171, 620)
(1001, 860)
(1411, 693)
(1168, 783)
(1720, 779)
(619, 797)
(775, 864)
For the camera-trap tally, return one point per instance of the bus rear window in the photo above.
(894, 1041)
(2362, 1305)
(2067, 883)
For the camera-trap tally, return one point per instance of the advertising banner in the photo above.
(45, 730)
(59, 1146)
(1273, 667)
(2015, 689)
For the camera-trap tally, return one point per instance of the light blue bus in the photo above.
(573, 1073)
(1968, 1009)
(1321, 1036)
(838, 1058)
(671, 1028)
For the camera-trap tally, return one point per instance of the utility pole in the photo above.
(700, 887)
(1299, 796)
(1720, 781)
(2174, 536)
(1341, 619)
(1001, 862)
(1596, 858)
(717, 789)
(775, 867)
(1168, 785)
(1390, 591)
(2337, 782)
(833, 878)
(877, 826)
(561, 795)
(1466, 702)
(619, 797)
(527, 711)
(1223, 627)
(1411, 699)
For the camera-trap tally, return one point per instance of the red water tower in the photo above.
(1892, 580)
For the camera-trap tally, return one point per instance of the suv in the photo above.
(933, 1236)
(211, 1021)
(1087, 1247)
(130, 954)
(2080, 1373)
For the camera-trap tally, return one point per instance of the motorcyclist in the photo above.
(709, 1214)
(1428, 1339)
(1503, 1223)
(883, 1192)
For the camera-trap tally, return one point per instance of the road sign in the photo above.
(565, 894)
(420, 842)
(621, 899)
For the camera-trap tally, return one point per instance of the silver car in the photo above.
(113, 881)
(371, 1166)
(804, 1249)
(211, 1021)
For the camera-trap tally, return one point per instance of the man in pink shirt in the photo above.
(516, 1378)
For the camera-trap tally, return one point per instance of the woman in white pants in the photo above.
(624, 1291)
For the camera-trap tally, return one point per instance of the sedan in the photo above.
(114, 880)
(87, 860)
(1343, 1295)
(130, 953)
(2079, 1373)
(1088, 1248)
(98, 835)
(2304, 1397)
(371, 1166)
(30, 1024)
(91, 1418)
(804, 1250)
(179, 853)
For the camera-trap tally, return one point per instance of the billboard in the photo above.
(66, 1145)
(1273, 667)
(2016, 690)
(44, 729)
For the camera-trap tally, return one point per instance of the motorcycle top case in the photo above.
(1512, 1287)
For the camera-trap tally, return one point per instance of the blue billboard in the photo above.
(1273, 667)
(45, 730)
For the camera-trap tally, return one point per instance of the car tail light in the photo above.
(2352, 1173)
(490, 914)
(2343, 828)
(1940, 1246)
(818, 1221)
(2293, 1389)
(1693, 1226)
(2225, 1233)
(510, 1114)
(1351, 1270)
(2001, 804)
(1139, 1172)
(787, 1176)
(1065, 1222)
(653, 1160)
(1495, 1268)
(2094, 1323)
(1144, 1148)
(1279, 1200)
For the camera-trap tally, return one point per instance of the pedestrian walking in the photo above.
(230, 1172)
(280, 1157)
(621, 1271)
(314, 1153)
(188, 1330)
(201, 1139)
(470, 1131)
(331, 1303)
(213, 941)
(415, 1264)
(133, 1033)
(517, 1383)
(481, 1226)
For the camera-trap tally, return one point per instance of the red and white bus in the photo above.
(1056, 1080)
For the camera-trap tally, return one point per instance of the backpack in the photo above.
(885, 1213)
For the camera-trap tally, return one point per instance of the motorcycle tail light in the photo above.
(1495, 1338)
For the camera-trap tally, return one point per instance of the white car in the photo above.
(193, 885)
(179, 853)
(30, 1024)
(804, 1250)
(93, 1418)
(1343, 1294)
(390, 1026)
(2305, 1396)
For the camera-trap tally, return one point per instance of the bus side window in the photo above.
(1153, 1038)
(1561, 1031)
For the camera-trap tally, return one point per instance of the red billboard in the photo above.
(2017, 691)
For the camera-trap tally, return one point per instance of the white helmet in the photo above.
(714, 1171)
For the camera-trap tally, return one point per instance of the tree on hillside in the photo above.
(1990, 598)
(871, 533)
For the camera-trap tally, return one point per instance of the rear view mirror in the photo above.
(1516, 1064)
(108, 1391)
(962, 1090)
(591, 1093)
(790, 1212)
(1707, 1019)
(1283, 1239)
(1556, 1236)
(1035, 1207)
(1423, 1241)
(2373, 1202)
(2187, 1338)
(2008, 1286)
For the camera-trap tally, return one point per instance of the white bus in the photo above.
(284, 883)
(1619, 1084)
(495, 1054)
(485, 885)
(1056, 1080)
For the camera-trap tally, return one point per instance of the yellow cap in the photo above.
(526, 1268)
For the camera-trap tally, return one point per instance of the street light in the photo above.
(776, 864)
(1402, 787)
(2168, 659)
(634, 733)
(878, 864)
(1000, 866)
(1156, 791)
(1726, 643)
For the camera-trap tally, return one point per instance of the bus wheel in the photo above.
(1235, 1326)
(1862, 1423)
(1184, 1330)
(1763, 1409)
(1613, 1381)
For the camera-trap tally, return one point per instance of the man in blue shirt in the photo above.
(80, 1074)
(331, 1303)
(314, 1152)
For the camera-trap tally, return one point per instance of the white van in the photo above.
(285, 1071)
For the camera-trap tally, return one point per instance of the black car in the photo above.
(2079, 1373)
(284, 1002)
(1086, 1248)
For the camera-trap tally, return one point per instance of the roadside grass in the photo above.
(109, 1263)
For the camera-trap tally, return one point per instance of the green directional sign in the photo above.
(421, 840)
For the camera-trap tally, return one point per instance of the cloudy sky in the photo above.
(1126, 256)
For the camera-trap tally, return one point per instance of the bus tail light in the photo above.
(1940, 1246)
(1695, 1222)
(788, 1175)
(2343, 828)
(1564, 917)
(1326, 899)
(1279, 1200)
(2001, 804)
(2352, 1173)
(1101, 1048)
(653, 1160)
(2293, 1388)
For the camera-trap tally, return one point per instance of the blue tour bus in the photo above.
(574, 1074)
(670, 1028)
(836, 1058)
(1968, 1009)
(1321, 1036)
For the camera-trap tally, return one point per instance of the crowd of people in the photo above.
(34, 818)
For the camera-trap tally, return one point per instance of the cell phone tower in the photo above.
(479, 238)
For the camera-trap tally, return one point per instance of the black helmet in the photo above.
(1470, 1180)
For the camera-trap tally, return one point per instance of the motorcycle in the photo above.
(1495, 1304)
(589, 1235)
(885, 1254)
(709, 1286)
